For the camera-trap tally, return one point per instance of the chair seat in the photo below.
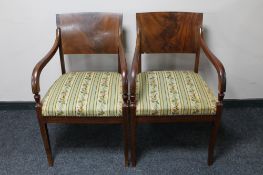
(173, 93)
(85, 94)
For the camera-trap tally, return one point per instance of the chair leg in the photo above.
(212, 143)
(133, 137)
(213, 136)
(126, 136)
(45, 138)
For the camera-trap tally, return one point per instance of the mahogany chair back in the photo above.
(89, 33)
(172, 32)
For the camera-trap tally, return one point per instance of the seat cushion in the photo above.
(84, 94)
(173, 93)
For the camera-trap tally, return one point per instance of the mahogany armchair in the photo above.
(84, 97)
(173, 96)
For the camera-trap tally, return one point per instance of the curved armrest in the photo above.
(41, 64)
(218, 66)
(135, 68)
(123, 66)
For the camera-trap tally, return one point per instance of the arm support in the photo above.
(135, 68)
(123, 66)
(41, 64)
(218, 66)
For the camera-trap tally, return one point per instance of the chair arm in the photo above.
(124, 74)
(218, 66)
(41, 64)
(135, 69)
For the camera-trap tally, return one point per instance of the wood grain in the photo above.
(88, 33)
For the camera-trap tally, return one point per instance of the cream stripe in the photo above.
(160, 99)
(83, 95)
(197, 90)
(109, 99)
(172, 95)
(182, 92)
(148, 108)
(168, 81)
(62, 107)
(166, 93)
(76, 94)
(93, 94)
(57, 94)
(73, 90)
(97, 94)
(194, 102)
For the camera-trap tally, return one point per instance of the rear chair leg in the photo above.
(133, 137)
(212, 143)
(214, 132)
(126, 135)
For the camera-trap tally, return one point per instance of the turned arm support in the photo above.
(218, 66)
(41, 64)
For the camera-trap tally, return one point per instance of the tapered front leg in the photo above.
(45, 138)
(43, 130)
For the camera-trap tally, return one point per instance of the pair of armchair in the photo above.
(155, 96)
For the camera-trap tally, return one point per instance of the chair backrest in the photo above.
(169, 32)
(89, 33)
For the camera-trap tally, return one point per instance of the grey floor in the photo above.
(162, 148)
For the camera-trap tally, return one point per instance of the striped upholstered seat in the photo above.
(173, 93)
(84, 94)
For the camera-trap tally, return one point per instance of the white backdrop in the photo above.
(234, 32)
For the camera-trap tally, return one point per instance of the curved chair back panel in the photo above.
(89, 33)
(169, 32)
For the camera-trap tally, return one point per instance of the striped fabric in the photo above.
(173, 93)
(85, 94)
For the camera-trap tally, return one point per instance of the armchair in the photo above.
(84, 97)
(173, 96)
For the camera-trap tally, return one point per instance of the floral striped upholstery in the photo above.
(173, 93)
(84, 94)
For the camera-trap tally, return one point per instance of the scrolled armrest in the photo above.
(218, 66)
(41, 64)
